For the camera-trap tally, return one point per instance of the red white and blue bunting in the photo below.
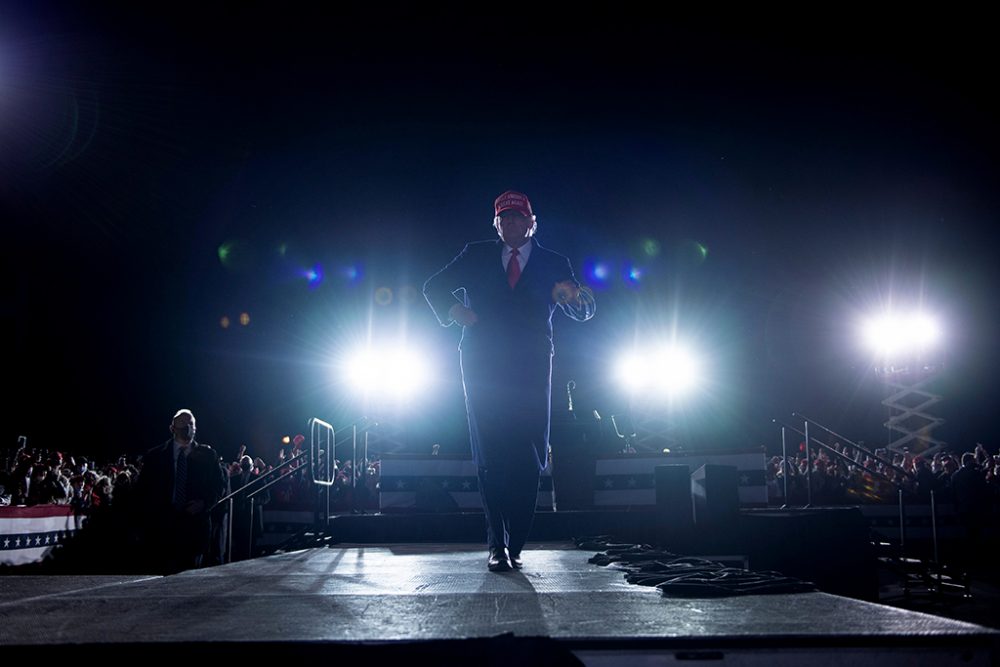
(29, 534)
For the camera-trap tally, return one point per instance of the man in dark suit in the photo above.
(180, 482)
(510, 289)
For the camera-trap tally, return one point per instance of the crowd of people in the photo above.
(164, 506)
(138, 496)
(38, 476)
(34, 476)
(161, 508)
(297, 492)
(971, 479)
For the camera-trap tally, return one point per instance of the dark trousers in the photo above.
(510, 492)
(508, 410)
(177, 542)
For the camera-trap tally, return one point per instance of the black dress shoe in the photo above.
(515, 560)
(499, 561)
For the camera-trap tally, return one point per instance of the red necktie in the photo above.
(513, 268)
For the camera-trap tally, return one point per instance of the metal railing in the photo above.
(900, 491)
(319, 463)
(873, 455)
(323, 450)
(249, 491)
(323, 461)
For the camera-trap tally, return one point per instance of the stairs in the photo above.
(922, 574)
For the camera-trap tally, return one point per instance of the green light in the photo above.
(691, 253)
(235, 254)
(651, 247)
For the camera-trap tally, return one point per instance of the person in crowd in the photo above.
(972, 501)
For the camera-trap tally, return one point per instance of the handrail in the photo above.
(871, 454)
(875, 473)
(249, 493)
(272, 482)
(316, 460)
(849, 460)
(243, 489)
(784, 467)
(318, 428)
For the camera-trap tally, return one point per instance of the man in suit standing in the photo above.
(180, 482)
(509, 290)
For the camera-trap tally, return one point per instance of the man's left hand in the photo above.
(566, 291)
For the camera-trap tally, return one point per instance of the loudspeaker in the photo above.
(575, 446)
(673, 496)
(831, 548)
(715, 491)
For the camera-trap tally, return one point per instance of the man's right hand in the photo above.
(464, 316)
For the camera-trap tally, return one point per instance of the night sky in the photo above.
(166, 165)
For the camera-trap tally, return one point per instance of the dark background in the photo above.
(830, 164)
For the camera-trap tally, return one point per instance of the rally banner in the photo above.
(628, 480)
(440, 483)
(29, 534)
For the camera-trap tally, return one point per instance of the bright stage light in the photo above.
(631, 373)
(675, 370)
(669, 371)
(893, 335)
(925, 330)
(387, 372)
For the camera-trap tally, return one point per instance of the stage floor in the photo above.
(411, 593)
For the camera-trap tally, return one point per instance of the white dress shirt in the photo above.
(522, 255)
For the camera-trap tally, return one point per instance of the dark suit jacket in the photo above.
(165, 528)
(507, 355)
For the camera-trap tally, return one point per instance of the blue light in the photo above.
(352, 273)
(314, 276)
(597, 273)
(633, 275)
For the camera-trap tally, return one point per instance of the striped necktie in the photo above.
(180, 479)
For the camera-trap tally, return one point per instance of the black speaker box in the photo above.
(673, 496)
(715, 492)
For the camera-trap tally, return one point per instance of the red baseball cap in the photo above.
(512, 200)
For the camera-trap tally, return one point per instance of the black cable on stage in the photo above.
(686, 577)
